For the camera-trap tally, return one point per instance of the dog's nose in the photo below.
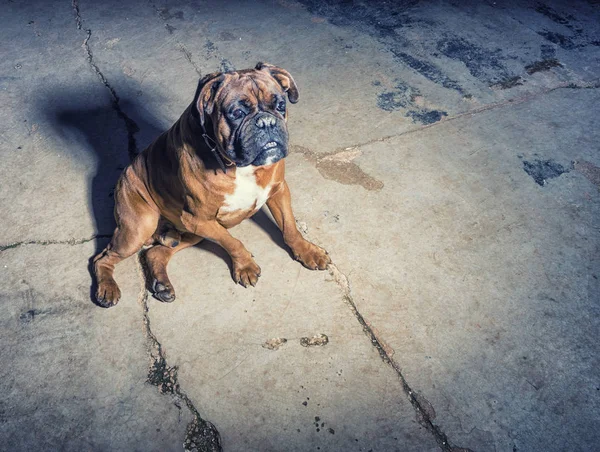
(265, 120)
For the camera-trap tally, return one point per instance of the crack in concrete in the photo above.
(53, 242)
(201, 434)
(422, 408)
(130, 125)
(595, 84)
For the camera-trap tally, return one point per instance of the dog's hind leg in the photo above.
(136, 223)
(156, 260)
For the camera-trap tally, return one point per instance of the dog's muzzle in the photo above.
(262, 141)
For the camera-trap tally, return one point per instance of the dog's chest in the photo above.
(247, 195)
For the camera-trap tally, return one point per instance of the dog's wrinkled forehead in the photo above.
(260, 86)
(252, 89)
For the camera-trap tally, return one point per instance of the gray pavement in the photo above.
(446, 155)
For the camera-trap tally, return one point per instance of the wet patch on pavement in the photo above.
(542, 170)
(339, 167)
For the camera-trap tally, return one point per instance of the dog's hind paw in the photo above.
(163, 291)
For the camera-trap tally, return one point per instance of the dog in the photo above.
(216, 166)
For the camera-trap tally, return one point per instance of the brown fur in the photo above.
(170, 199)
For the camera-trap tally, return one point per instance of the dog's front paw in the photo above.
(312, 256)
(108, 293)
(245, 272)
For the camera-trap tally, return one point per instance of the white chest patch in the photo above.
(247, 192)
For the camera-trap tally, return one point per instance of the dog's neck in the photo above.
(204, 142)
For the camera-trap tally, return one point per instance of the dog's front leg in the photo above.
(245, 270)
(311, 255)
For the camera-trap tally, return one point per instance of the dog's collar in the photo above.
(213, 147)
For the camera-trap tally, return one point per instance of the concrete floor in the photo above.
(446, 155)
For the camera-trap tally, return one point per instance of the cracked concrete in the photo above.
(446, 156)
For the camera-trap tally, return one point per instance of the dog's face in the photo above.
(247, 112)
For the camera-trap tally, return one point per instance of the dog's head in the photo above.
(246, 112)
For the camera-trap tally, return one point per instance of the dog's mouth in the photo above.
(270, 145)
(270, 153)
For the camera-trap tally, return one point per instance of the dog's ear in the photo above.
(206, 93)
(283, 77)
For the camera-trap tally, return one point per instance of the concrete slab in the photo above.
(265, 394)
(74, 377)
(445, 153)
(483, 283)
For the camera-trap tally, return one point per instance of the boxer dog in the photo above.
(218, 165)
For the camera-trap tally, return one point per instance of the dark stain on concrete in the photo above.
(384, 21)
(165, 14)
(509, 82)
(211, 48)
(380, 19)
(28, 316)
(339, 167)
(561, 40)
(478, 60)
(576, 40)
(483, 64)
(542, 170)
(426, 116)
(558, 18)
(163, 376)
(548, 51)
(427, 70)
(227, 36)
(226, 66)
(404, 96)
(544, 65)
(202, 436)
(589, 170)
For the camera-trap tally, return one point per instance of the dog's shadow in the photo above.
(98, 136)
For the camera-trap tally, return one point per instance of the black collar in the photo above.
(208, 139)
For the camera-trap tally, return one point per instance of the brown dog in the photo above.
(218, 164)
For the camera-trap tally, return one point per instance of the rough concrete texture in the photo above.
(444, 153)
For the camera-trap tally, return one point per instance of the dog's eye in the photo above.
(281, 106)
(237, 114)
